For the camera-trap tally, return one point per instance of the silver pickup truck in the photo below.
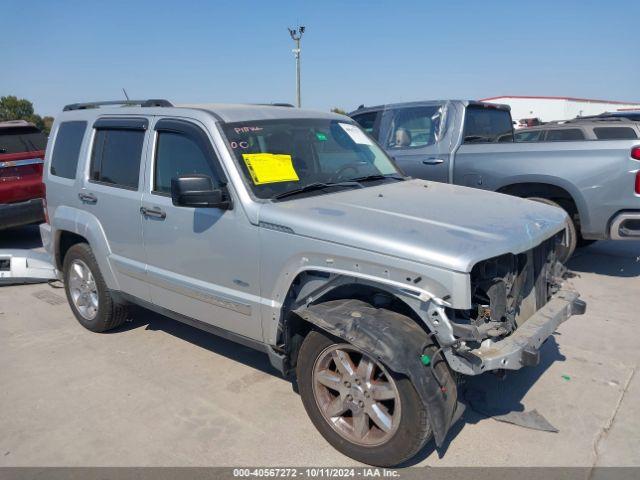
(472, 143)
(291, 231)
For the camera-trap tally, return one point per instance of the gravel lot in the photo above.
(159, 393)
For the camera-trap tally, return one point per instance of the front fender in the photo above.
(399, 343)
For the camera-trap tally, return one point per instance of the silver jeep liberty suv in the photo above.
(293, 232)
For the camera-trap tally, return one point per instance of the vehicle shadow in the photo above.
(493, 394)
(611, 258)
(141, 317)
(27, 237)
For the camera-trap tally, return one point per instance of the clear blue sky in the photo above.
(58, 52)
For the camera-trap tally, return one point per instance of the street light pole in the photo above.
(296, 36)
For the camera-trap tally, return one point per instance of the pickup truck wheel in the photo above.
(88, 295)
(358, 405)
(572, 232)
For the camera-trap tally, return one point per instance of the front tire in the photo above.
(87, 293)
(360, 407)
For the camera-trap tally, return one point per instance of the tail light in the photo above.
(638, 182)
(635, 153)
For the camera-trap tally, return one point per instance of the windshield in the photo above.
(280, 156)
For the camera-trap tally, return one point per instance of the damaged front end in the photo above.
(518, 301)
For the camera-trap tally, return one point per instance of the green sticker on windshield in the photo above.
(321, 136)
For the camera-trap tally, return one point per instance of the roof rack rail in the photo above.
(154, 102)
(597, 118)
(275, 104)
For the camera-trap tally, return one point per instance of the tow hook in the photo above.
(530, 357)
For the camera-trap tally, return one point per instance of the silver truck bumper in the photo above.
(25, 266)
(521, 348)
(625, 226)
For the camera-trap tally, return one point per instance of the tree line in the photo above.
(14, 108)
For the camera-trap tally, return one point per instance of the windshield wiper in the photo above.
(313, 187)
(378, 176)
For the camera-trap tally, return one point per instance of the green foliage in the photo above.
(338, 110)
(14, 108)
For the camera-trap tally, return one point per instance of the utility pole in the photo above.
(296, 36)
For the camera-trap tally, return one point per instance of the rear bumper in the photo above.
(625, 226)
(521, 348)
(25, 266)
(22, 213)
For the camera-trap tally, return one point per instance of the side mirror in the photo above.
(197, 191)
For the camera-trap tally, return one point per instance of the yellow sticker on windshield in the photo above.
(270, 168)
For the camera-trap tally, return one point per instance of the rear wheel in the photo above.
(360, 407)
(572, 231)
(87, 293)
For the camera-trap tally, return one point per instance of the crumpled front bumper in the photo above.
(521, 348)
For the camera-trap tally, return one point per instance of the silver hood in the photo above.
(428, 222)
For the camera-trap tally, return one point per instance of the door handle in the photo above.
(433, 161)
(153, 212)
(88, 198)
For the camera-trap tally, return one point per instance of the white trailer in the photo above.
(558, 108)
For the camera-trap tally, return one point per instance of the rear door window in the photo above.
(22, 139)
(487, 125)
(615, 133)
(115, 159)
(565, 135)
(414, 127)
(64, 159)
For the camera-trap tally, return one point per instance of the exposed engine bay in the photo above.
(507, 290)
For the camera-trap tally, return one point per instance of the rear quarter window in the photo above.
(487, 125)
(565, 135)
(66, 150)
(615, 133)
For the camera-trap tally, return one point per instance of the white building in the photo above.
(558, 108)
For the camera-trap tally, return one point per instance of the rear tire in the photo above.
(572, 231)
(411, 428)
(87, 293)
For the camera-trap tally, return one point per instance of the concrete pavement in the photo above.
(159, 393)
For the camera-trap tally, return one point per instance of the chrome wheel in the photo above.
(356, 395)
(83, 290)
